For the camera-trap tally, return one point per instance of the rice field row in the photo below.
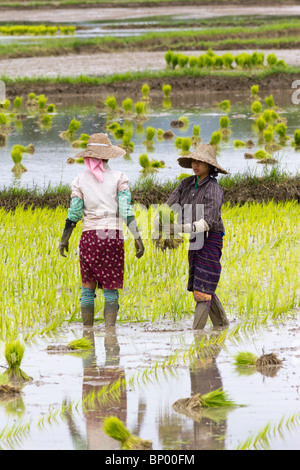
(40, 290)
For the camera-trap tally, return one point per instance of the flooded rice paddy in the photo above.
(50, 414)
(48, 165)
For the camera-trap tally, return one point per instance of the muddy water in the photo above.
(49, 164)
(186, 11)
(146, 405)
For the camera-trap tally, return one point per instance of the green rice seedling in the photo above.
(239, 143)
(18, 102)
(185, 121)
(127, 144)
(114, 428)
(178, 142)
(81, 343)
(182, 176)
(51, 108)
(183, 60)
(271, 59)
(267, 115)
(296, 141)
(193, 61)
(224, 124)
(14, 352)
(144, 161)
(281, 131)
(168, 58)
(166, 90)
(196, 139)
(268, 134)
(256, 107)
(17, 156)
(150, 133)
(194, 405)
(3, 119)
(145, 91)
(31, 96)
(127, 105)
(119, 132)
(269, 100)
(216, 138)
(159, 134)
(139, 109)
(42, 100)
(112, 126)
(185, 146)
(225, 105)
(74, 126)
(111, 103)
(245, 359)
(45, 122)
(5, 104)
(261, 154)
(228, 60)
(254, 91)
(81, 142)
(261, 123)
(174, 60)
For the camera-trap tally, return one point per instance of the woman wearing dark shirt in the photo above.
(200, 199)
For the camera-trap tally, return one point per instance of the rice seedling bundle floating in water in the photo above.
(114, 428)
(14, 352)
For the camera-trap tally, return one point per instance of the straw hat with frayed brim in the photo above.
(99, 146)
(203, 153)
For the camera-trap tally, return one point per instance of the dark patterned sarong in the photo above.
(204, 264)
(102, 258)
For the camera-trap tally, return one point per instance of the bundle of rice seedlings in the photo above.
(261, 123)
(150, 133)
(266, 364)
(239, 143)
(111, 103)
(127, 144)
(214, 399)
(51, 108)
(73, 127)
(196, 139)
(3, 139)
(185, 146)
(177, 123)
(140, 110)
(18, 102)
(256, 107)
(168, 135)
(296, 142)
(127, 105)
(225, 105)
(193, 61)
(14, 352)
(41, 101)
(145, 91)
(166, 241)
(81, 343)
(254, 91)
(114, 428)
(224, 124)
(81, 142)
(5, 104)
(166, 90)
(216, 138)
(269, 101)
(17, 156)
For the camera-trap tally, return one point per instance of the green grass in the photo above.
(275, 35)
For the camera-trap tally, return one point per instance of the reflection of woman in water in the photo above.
(94, 380)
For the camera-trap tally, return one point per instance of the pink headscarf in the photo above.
(95, 166)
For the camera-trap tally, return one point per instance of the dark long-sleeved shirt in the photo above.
(207, 193)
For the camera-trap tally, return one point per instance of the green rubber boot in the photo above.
(217, 313)
(111, 309)
(87, 314)
(201, 315)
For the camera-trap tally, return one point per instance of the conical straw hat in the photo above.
(203, 153)
(99, 146)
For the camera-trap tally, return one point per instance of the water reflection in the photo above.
(97, 379)
(209, 425)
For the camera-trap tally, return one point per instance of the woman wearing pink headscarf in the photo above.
(102, 197)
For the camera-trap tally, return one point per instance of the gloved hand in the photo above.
(64, 242)
(139, 247)
(200, 226)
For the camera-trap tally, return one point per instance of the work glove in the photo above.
(139, 248)
(64, 242)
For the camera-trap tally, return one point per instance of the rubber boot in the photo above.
(217, 313)
(201, 315)
(87, 314)
(111, 309)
